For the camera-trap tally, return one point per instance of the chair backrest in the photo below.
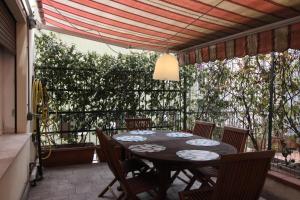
(203, 129)
(236, 137)
(105, 142)
(138, 123)
(242, 176)
(114, 163)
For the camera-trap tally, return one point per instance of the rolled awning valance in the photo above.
(278, 40)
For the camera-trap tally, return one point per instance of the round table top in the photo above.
(173, 144)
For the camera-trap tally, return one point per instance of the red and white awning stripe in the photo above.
(164, 24)
(278, 40)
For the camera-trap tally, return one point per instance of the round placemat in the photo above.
(197, 155)
(179, 134)
(147, 148)
(141, 132)
(203, 142)
(131, 138)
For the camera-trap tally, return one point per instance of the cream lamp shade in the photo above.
(166, 68)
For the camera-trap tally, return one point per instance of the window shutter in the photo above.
(7, 28)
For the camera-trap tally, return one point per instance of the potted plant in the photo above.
(75, 150)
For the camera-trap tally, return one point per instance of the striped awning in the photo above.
(277, 40)
(178, 25)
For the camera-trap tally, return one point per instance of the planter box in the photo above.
(69, 154)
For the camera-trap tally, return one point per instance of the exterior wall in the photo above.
(14, 166)
(15, 178)
(22, 56)
(7, 92)
(22, 78)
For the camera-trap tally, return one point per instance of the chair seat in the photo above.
(203, 194)
(143, 182)
(134, 164)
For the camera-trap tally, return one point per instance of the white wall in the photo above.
(7, 91)
(13, 182)
(15, 176)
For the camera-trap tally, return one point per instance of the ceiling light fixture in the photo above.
(166, 68)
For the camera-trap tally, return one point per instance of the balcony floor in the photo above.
(85, 182)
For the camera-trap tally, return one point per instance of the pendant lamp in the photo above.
(166, 68)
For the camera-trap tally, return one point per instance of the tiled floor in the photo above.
(83, 182)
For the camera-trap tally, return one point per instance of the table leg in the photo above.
(164, 174)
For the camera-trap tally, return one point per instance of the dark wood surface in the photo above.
(172, 146)
(167, 160)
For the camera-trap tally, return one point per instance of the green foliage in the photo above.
(106, 89)
(232, 92)
(287, 93)
(236, 92)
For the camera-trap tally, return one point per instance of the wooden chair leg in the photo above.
(206, 181)
(187, 174)
(182, 180)
(107, 187)
(113, 193)
(190, 184)
(174, 176)
(211, 182)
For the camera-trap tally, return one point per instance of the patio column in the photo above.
(271, 103)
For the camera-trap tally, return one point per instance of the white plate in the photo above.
(131, 138)
(203, 142)
(147, 148)
(179, 134)
(141, 132)
(197, 155)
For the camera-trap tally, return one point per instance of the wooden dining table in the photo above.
(167, 160)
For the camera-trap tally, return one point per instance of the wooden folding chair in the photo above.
(241, 176)
(130, 165)
(203, 129)
(138, 123)
(234, 136)
(144, 182)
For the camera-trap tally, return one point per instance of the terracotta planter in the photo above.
(100, 154)
(69, 154)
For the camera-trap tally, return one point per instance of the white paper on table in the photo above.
(203, 142)
(131, 138)
(197, 155)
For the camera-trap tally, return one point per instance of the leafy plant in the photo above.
(92, 90)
